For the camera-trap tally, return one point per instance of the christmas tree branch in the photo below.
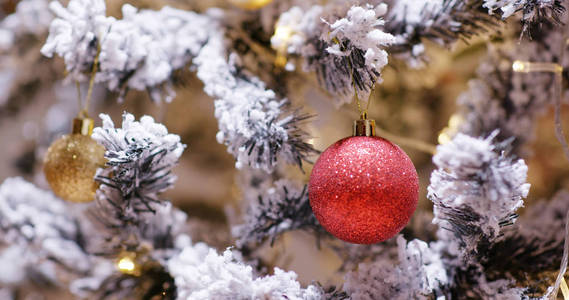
(140, 158)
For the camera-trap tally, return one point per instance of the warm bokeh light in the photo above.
(250, 4)
(283, 33)
(518, 66)
(448, 132)
(126, 265)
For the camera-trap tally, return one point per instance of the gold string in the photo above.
(363, 113)
(78, 86)
(408, 142)
(564, 289)
(91, 82)
(84, 109)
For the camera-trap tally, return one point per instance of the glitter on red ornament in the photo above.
(363, 190)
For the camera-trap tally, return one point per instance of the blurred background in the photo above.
(37, 105)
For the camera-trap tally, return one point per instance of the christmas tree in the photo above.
(247, 149)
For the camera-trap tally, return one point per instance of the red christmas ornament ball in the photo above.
(363, 190)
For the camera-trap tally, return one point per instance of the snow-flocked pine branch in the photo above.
(535, 243)
(533, 11)
(140, 156)
(347, 53)
(476, 190)
(43, 233)
(447, 21)
(273, 210)
(31, 17)
(140, 51)
(499, 98)
(420, 274)
(201, 273)
(257, 127)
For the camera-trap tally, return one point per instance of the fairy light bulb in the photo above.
(127, 265)
(518, 66)
(528, 67)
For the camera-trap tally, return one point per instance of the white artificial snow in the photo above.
(75, 32)
(140, 156)
(250, 117)
(139, 51)
(359, 27)
(142, 50)
(325, 36)
(151, 45)
(413, 14)
(472, 175)
(509, 7)
(200, 273)
(7, 78)
(527, 95)
(145, 135)
(29, 213)
(39, 226)
(102, 270)
(413, 11)
(420, 272)
(358, 31)
(14, 261)
(30, 17)
(167, 222)
(301, 25)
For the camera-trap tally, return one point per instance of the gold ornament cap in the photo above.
(83, 126)
(364, 126)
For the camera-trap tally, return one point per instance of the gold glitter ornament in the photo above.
(71, 162)
(250, 4)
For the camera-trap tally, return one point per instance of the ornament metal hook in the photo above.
(364, 126)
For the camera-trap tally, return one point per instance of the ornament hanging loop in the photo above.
(362, 111)
(83, 125)
(363, 126)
